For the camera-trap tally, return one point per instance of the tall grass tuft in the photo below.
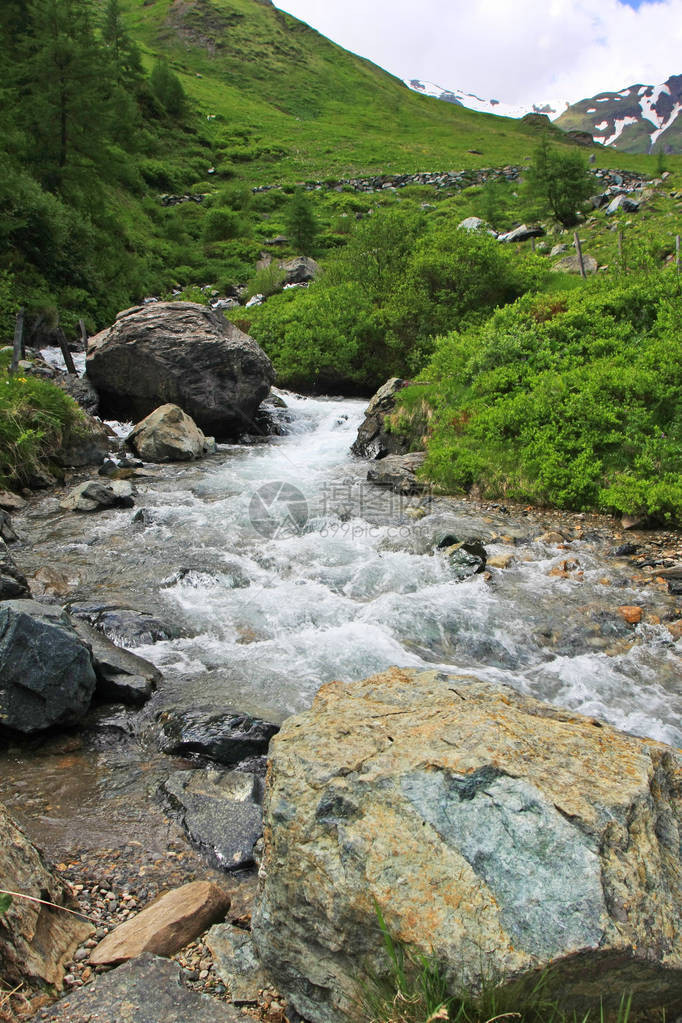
(415, 990)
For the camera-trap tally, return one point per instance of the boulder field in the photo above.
(179, 353)
(496, 833)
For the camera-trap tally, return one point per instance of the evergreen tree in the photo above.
(65, 91)
(124, 54)
(559, 181)
(167, 88)
(301, 223)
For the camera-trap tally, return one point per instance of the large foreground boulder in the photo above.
(497, 833)
(180, 353)
(46, 673)
(35, 940)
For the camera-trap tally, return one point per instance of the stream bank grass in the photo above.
(415, 990)
(35, 418)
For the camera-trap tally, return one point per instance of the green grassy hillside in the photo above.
(267, 101)
(293, 106)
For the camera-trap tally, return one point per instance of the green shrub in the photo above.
(301, 223)
(266, 281)
(222, 225)
(559, 181)
(167, 88)
(574, 401)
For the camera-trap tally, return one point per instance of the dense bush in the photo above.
(398, 283)
(574, 401)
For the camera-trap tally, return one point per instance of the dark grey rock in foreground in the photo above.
(228, 737)
(46, 672)
(221, 812)
(145, 990)
(185, 354)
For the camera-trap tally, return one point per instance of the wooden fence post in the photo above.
(84, 334)
(579, 250)
(68, 358)
(620, 251)
(18, 352)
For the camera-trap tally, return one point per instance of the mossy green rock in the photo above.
(498, 834)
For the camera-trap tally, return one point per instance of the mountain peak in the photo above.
(638, 119)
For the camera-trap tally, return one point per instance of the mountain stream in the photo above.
(275, 567)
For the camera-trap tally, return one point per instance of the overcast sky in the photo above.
(532, 51)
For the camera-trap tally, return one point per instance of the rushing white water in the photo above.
(349, 583)
(346, 582)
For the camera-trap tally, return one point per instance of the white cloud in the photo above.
(525, 52)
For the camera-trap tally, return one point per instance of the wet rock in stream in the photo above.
(121, 675)
(46, 672)
(221, 811)
(122, 624)
(93, 496)
(228, 737)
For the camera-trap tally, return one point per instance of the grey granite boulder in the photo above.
(522, 234)
(622, 204)
(373, 439)
(300, 270)
(495, 833)
(46, 672)
(184, 354)
(169, 435)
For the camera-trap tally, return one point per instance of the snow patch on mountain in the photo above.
(619, 125)
(486, 106)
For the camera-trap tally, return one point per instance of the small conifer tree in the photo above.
(301, 222)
